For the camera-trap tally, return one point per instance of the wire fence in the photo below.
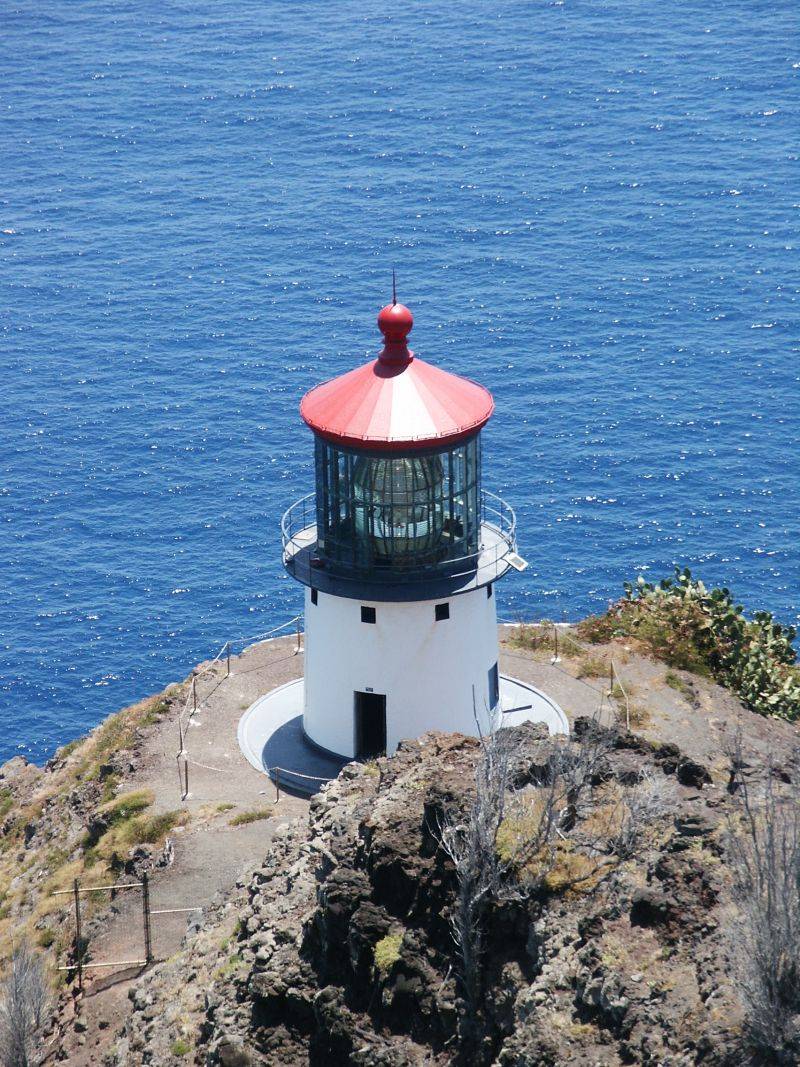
(79, 960)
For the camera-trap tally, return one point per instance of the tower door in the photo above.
(370, 725)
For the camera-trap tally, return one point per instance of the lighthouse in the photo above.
(399, 548)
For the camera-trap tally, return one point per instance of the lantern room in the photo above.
(398, 501)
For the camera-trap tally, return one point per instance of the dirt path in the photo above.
(209, 855)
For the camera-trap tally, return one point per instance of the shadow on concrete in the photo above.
(288, 750)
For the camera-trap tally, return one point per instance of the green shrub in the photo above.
(692, 628)
(596, 629)
(6, 802)
(180, 1047)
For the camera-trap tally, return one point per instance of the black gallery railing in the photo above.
(498, 542)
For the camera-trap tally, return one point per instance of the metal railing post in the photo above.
(297, 649)
(148, 941)
(194, 694)
(277, 784)
(185, 777)
(228, 655)
(78, 937)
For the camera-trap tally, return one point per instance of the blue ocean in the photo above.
(592, 206)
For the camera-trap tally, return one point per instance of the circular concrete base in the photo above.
(271, 733)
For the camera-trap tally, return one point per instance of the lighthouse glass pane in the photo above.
(379, 513)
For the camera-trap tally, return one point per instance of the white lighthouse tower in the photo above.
(399, 549)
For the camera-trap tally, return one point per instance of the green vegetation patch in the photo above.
(387, 952)
(126, 805)
(46, 937)
(680, 685)
(153, 829)
(180, 1047)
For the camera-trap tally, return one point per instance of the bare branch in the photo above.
(23, 1009)
(764, 852)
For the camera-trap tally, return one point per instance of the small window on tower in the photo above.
(314, 596)
(442, 612)
(367, 614)
(494, 686)
(489, 591)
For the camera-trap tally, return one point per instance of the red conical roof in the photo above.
(398, 401)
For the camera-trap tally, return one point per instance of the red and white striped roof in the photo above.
(397, 402)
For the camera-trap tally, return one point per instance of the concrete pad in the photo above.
(270, 733)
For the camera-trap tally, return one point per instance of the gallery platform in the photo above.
(271, 733)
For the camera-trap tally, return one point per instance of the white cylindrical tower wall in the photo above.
(428, 669)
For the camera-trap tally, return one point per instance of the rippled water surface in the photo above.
(592, 207)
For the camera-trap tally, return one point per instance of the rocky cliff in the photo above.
(340, 948)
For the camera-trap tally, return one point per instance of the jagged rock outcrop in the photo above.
(339, 950)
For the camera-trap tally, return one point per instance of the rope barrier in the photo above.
(193, 703)
(205, 766)
(261, 637)
(297, 774)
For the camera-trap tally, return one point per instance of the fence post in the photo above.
(277, 784)
(148, 941)
(228, 654)
(297, 649)
(610, 675)
(555, 657)
(78, 937)
(180, 733)
(194, 694)
(178, 765)
(185, 777)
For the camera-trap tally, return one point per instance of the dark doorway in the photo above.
(370, 713)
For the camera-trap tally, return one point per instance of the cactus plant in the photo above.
(705, 630)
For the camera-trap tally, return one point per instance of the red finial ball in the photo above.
(395, 322)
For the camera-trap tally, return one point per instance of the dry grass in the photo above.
(75, 767)
(520, 826)
(532, 636)
(640, 716)
(572, 872)
(244, 818)
(592, 667)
